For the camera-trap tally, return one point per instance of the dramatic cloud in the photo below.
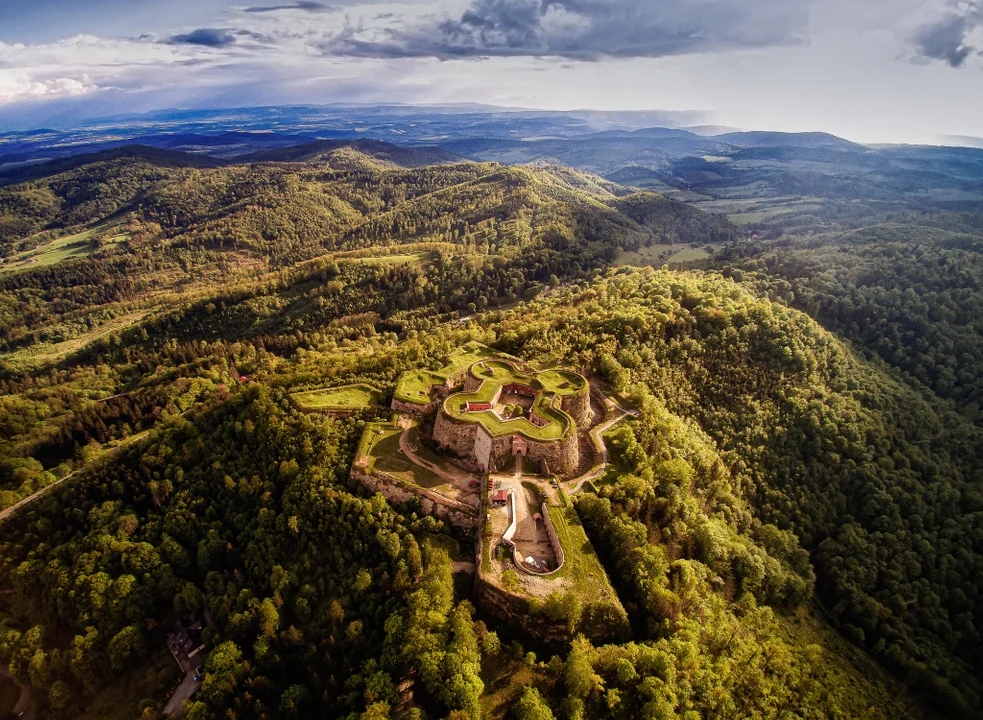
(85, 63)
(584, 29)
(951, 38)
(20, 86)
(208, 37)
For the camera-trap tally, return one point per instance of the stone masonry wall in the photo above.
(409, 408)
(456, 437)
(483, 447)
(450, 511)
(577, 407)
(563, 456)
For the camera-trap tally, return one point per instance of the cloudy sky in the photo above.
(869, 70)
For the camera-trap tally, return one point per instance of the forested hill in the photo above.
(792, 529)
(769, 467)
(84, 247)
(912, 295)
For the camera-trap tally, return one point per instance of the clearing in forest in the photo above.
(346, 398)
(78, 245)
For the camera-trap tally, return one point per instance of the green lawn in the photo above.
(581, 563)
(561, 382)
(466, 356)
(387, 457)
(414, 259)
(421, 450)
(414, 386)
(346, 397)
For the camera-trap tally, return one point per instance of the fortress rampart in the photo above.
(395, 490)
(577, 407)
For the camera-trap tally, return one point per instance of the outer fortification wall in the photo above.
(459, 438)
(601, 622)
(563, 456)
(395, 490)
(578, 407)
(408, 408)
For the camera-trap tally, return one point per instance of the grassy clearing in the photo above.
(689, 254)
(658, 255)
(581, 563)
(346, 397)
(40, 354)
(69, 247)
(414, 259)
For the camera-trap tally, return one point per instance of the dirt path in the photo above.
(48, 488)
(460, 478)
(597, 434)
(24, 708)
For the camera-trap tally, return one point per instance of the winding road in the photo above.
(48, 488)
(597, 435)
(24, 708)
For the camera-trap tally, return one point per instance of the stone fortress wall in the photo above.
(395, 490)
(408, 408)
(458, 437)
(578, 407)
(562, 456)
(462, 438)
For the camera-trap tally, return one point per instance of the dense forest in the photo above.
(909, 294)
(794, 522)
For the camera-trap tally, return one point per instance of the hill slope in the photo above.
(131, 230)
